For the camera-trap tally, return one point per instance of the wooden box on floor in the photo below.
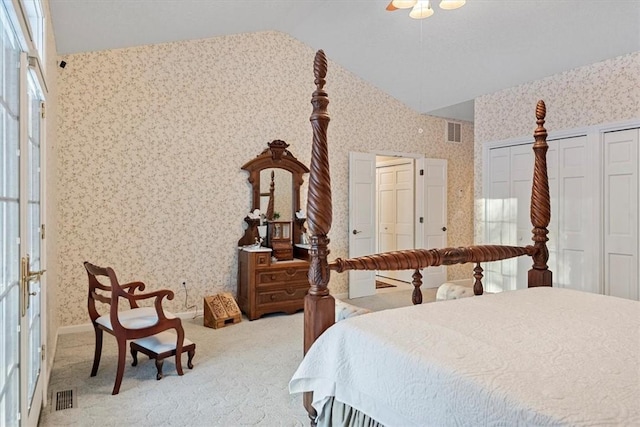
(221, 310)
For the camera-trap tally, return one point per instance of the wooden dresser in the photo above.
(266, 287)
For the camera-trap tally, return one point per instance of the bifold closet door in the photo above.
(572, 220)
(621, 214)
(573, 228)
(507, 214)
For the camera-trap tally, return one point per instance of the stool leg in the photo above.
(134, 354)
(159, 368)
(190, 353)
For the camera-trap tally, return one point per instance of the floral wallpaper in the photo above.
(604, 92)
(151, 140)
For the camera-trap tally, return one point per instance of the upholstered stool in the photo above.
(345, 310)
(452, 291)
(160, 346)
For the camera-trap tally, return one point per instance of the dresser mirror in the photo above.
(275, 176)
(276, 197)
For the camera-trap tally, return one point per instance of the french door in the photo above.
(21, 299)
(31, 325)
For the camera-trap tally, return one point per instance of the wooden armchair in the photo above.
(129, 322)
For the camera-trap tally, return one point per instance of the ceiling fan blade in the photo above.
(391, 7)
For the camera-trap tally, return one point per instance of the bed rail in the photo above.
(417, 259)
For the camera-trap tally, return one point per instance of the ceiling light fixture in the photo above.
(421, 9)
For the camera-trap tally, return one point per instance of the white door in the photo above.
(21, 381)
(575, 252)
(507, 213)
(431, 205)
(521, 179)
(362, 220)
(31, 325)
(498, 223)
(621, 214)
(10, 221)
(395, 196)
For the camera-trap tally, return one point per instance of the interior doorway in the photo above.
(419, 220)
(395, 208)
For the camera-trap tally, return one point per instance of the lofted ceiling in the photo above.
(435, 66)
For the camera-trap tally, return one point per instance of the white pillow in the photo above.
(345, 310)
(452, 291)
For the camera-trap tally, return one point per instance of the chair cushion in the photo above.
(160, 343)
(345, 310)
(452, 291)
(135, 318)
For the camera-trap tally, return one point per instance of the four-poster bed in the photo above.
(536, 356)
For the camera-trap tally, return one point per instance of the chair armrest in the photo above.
(158, 295)
(131, 288)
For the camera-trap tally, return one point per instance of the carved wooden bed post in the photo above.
(539, 275)
(319, 305)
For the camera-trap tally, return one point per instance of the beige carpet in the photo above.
(240, 377)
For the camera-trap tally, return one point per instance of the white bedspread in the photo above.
(541, 356)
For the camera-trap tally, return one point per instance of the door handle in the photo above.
(444, 228)
(357, 232)
(31, 275)
(26, 276)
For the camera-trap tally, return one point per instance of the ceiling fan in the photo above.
(421, 9)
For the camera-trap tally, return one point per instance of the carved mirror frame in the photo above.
(275, 156)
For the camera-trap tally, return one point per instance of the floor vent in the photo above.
(64, 400)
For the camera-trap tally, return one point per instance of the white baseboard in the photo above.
(88, 327)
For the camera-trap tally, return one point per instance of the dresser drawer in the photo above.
(298, 275)
(270, 287)
(290, 293)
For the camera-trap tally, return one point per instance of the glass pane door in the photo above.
(32, 321)
(9, 223)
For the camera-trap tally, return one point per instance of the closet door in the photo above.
(522, 159)
(621, 214)
(507, 213)
(574, 222)
(497, 275)
(572, 219)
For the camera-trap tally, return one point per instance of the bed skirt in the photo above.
(338, 414)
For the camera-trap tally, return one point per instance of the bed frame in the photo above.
(319, 305)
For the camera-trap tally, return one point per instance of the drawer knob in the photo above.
(273, 297)
(273, 277)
